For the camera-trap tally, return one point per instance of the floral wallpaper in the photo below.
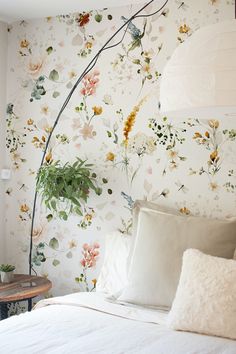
(112, 121)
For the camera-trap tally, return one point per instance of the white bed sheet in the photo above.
(86, 323)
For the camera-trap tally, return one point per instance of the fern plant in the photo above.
(66, 188)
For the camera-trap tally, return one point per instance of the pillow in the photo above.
(157, 256)
(138, 205)
(205, 301)
(113, 275)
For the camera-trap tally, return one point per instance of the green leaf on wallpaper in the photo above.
(53, 243)
(69, 255)
(98, 17)
(54, 76)
(63, 215)
(53, 204)
(55, 262)
(55, 94)
(49, 50)
(49, 217)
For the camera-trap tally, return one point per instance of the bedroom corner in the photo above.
(3, 88)
(45, 57)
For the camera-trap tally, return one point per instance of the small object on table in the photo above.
(23, 287)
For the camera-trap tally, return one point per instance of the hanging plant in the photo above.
(66, 188)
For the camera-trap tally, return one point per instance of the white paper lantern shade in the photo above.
(199, 80)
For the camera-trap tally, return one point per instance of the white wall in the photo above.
(3, 69)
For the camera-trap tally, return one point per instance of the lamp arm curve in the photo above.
(88, 68)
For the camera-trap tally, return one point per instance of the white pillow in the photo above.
(113, 276)
(157, 256)
(205, 301)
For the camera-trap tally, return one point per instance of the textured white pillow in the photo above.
(157, 255)
(205, 300)
(113, 275)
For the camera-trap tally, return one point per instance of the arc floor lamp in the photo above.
(108, 45)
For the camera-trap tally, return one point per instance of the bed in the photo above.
(88, 323)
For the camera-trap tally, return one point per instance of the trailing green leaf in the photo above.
(66, 188)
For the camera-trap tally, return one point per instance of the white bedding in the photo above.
(86, 323)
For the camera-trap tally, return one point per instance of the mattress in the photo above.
(88, 323)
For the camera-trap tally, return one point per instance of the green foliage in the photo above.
(7, 268)
(54, 76)
(64, 189)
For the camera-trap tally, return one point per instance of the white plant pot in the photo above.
(7, 277)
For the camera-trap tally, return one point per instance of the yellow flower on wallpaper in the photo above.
(30, 121)
(88, 45)
(94, 281)
(110, 156)
(184, 28)
(88, 217)
(131, 120)
(48, 157)
(184, 210)
(24, 208)
(197, 135)
(97, 110)
(213, 123)
(24, 43)
(214, 156)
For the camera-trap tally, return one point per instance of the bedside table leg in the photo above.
(29, 304)
(3, 311)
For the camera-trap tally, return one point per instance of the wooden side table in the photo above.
(23, 287)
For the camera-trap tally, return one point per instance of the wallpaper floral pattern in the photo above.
(113, 121)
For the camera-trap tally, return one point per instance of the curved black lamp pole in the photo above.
(89, 67)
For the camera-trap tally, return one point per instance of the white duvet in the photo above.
(87, 323)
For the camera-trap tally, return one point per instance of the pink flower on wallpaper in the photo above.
(87, 131)
(90, 254)
(90, 83)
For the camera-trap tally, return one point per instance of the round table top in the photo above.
(23, 287)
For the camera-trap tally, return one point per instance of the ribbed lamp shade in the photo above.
(199, 80)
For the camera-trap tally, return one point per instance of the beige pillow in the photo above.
(157, 255)
(205, 301)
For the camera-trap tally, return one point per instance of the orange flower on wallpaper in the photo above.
(214, 156)
(97, 110)
(24, 43)
(83, 19)
(48, 157)
(30, 121)
(24, 208)
(110, 156)
(129, 123)
(184, 210)
(184, 28)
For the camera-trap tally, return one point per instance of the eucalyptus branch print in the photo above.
(168, 136)
(15, 136)
(230, 185)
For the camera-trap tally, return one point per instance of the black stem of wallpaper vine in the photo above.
(89, 67)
